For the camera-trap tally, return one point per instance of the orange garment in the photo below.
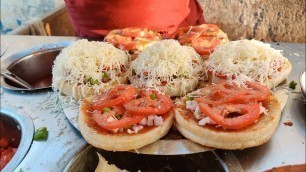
(95, 18)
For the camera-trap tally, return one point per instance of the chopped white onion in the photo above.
(158, 120)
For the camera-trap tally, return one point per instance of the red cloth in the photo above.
(94, 18)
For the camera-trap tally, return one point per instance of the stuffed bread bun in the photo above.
(133, 39)
(167, 66)
(203, 38)
(85, 67)
(125, 118)
(248, 60)
(228, 116)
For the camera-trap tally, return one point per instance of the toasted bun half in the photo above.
(81, 92)
(283, 75)
(120, 141)
(270, 83)
(217, 137)
(184, 86)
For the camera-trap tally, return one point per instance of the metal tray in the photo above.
(34, 66)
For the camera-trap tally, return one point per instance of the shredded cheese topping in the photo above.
(166, 62)
(247, 60)
(83, 61)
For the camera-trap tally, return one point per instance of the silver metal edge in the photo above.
(27, 130)
(300, 82)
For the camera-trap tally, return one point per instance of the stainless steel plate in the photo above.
(33, 66)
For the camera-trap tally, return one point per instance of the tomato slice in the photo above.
(248, 114)
(121, 42)
(209, 29)
(205, 45)
(185, 34)
(232, 93)
(220, 75)
(145, 105)
(114, 96)
(124, 119)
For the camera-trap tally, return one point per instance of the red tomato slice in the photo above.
(185, 34)
(114, 96)
(121, 42)
(135, 32)
(106, 120)
(249, 113)
(209, 29)
(231, 93)
(220, 75)
(145, 105)
(205, 45)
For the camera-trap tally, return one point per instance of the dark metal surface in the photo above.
(87, 160)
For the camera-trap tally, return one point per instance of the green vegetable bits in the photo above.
(292, 85)
(41, 134)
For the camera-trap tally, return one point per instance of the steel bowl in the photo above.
(24, 124)
(32, 66)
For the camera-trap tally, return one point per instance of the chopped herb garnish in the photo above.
(105, 76)
(188, 98)
(106, 110)
(118, 116)
(93, 81)
(153, 96)
(292, 85)
(41, 134)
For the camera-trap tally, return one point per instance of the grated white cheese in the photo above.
(166, 61)
(83, 60)
(247, 60)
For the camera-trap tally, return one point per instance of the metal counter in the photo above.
(286, 147)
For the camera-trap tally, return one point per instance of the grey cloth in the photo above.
(34, 26)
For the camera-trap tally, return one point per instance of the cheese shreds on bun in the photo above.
(168, 66)
(228, 116)
(248, 60)
(85, 67)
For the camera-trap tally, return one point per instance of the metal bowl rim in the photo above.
(14, 58)
(27, 132)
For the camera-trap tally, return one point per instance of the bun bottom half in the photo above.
(120, 141)
(80, 92)
(270, 83)
(183, 86)
(251, 136)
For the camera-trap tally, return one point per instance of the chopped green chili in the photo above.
(106, 110)
(41, 134)
(93, 81)
(292, 85)
(188, 98)
(153, 96)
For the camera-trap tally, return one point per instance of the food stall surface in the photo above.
(287, 146)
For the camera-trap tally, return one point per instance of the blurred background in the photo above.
(265, 20)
